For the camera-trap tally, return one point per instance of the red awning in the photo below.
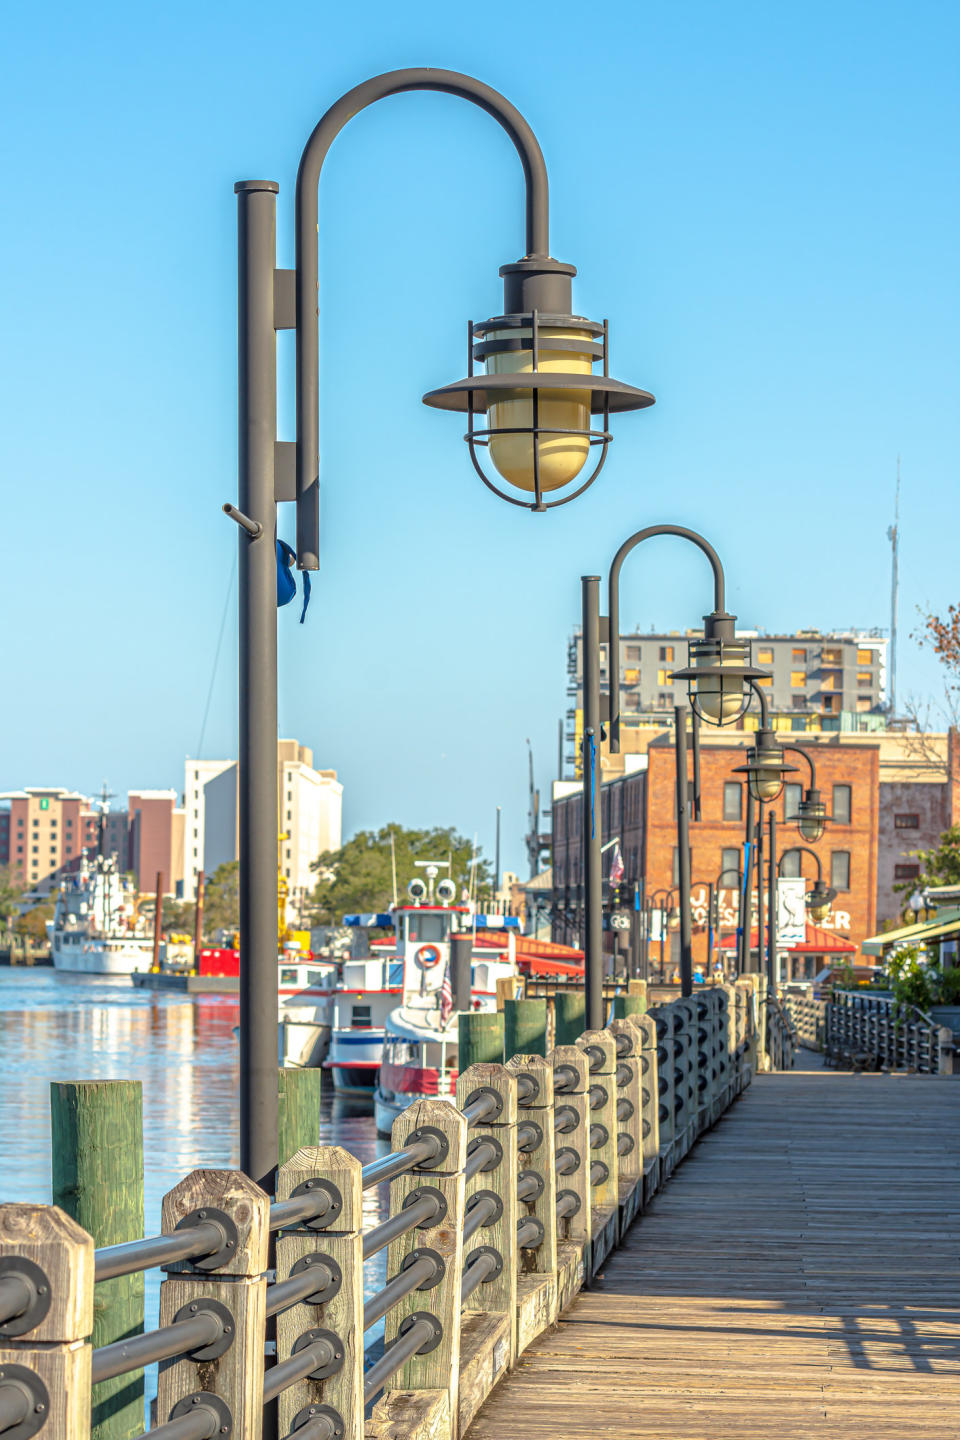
(818, 942)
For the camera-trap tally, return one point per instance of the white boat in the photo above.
(369, 989)
(97, 928)
(305, 993)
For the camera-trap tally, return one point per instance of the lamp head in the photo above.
(538, 389)
(812, 816)
(719, 667)
(818, 901)
(766, 768)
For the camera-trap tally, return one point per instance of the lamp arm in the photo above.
(804, 850)
(613, 606)
(764, 707)
(799, 750)
(394, 82)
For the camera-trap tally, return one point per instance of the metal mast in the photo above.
(893, 535)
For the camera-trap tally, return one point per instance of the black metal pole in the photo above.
(772, 905)
(496, 867)
(709, 965)
(257, 781)
(746, 890)
(636, 931)
(683, 850)
(591, 840)
(760, 906)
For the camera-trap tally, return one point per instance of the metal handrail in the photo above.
(193, 1242)
(205, 1328)
(16, 1403)
(395, 1355)
(388, 1167)
(309, 1284)
(421, 1212)
(202, 1423)
(15, 1297)
(410, 1279)
(314, 1356)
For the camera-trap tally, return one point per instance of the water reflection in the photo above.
(66, 1027)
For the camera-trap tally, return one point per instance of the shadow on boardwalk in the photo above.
(798, 1277)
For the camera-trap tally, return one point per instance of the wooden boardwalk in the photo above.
(798, 1277)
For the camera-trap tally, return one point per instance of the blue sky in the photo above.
(763, 200)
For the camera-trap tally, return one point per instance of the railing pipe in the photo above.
(397, 1354)
(191, 1243)
(483, 1108)
(16, 1403)
(421, 1212)
(565, 1119)
(308, 1285)
(567, 1163)
(475, 1274)
(528, 1136)
(564, 1078)
(480, 1213)
(482, 1154)
(180, 1338)
(395, 1289)
(298, 1367)
(388, 1167)
(202, 1423)
(529, 1234)
(15, 1297)
(321, 1427)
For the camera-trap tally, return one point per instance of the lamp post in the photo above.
(660, 900)
(739, 878)
(818, 899)
(719, 666)
(539, 392)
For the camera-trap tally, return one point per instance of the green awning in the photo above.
(928, 930)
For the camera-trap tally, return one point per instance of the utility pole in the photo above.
(893, 535)
(496, 862)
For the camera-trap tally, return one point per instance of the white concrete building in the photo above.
(311, 803)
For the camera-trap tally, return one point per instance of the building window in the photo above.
(729, 867)
(764, 657)
(864, 681)
(666, 653)
(840, 869)
(764, 679)
(19, 849)
(864, 703)
(663, 677)
(799, 657)
(798, 702)
(906, 872)
(289, 814)
(906, 822)
(831, 657)
(841, 804)
(866, 657)
(732, 800)
(792, 796)
(35, 849)
(790, 864)
(798, 678)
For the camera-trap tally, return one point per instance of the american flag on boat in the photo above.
(446, 996)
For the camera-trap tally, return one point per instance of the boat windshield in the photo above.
(422, 925)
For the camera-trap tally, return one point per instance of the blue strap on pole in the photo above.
(593, 786)
(286, 581)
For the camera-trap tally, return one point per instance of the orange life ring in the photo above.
(427, 956)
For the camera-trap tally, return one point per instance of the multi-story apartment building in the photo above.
(43, 830)
(155, 839)
(311, 803)
(830, 682)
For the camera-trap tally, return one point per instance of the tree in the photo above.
(10, 892)
(940, 866)
(358, 877)
(32, 924)
(943, 638)
(221, 907)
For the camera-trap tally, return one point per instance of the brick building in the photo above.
(919, 799)
(42, 832)
(155, 847)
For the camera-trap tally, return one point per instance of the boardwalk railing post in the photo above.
(600, 1049)
(498, 1295)
(537, 1187)
(571, 1122)
(570, 1010)
(946, 1045)
(480, 1038)
(233, 1280)
(629, 1040)
(663, 1019)
(44, 1355)
(97, 1170)
(524, 1027)
(436, 1367)
(298, 1111)
(650, 1103)
(332, 1247)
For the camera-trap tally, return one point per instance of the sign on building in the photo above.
(791, 911)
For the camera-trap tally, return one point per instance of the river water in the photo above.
(55, 1026)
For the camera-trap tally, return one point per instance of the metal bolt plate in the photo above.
(424, 1192)
(423, 1253)
(332, 1213)
(37, 1283)
(209, 1216)
(316, 1260)
(313, 1412)
(206, 1307)
(35, 1392)
(432, 1321)
(335, 1364)
(191, 1403)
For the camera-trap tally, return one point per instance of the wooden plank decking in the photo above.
(798, 1277)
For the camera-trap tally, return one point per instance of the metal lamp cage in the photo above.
(765, 758)
(723, 660)
(818, 900)
(811, 819)
(477, 392)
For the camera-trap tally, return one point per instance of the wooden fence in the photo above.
(501, 1208)
(870, 1032)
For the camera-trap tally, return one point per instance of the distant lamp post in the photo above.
(538, 394)
(817, 900)
(812, 815)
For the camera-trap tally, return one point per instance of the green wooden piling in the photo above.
(298, 1116)
(624, 1005)
(97, 1170)
(480, 1039)
(571, 1016)
(524, 1027)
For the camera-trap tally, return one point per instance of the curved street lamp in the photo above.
(818, 899)
(720, 667)
(539, 393)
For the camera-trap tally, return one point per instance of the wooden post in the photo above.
(570, 1009)
(624, 1005)
(577, 1229)
(298, 1114)
(97, 1173)
(946, 1048)
(685, 1053)
(629, 1038)
(439, 1368)
(663, 1019)
(537, 1285)
(53, 1354)
(650, 1104)
(524, 1027)
(480, 1038)
(497, 1296)
(342, 1314)
(239, 1284)
(600, 1049)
